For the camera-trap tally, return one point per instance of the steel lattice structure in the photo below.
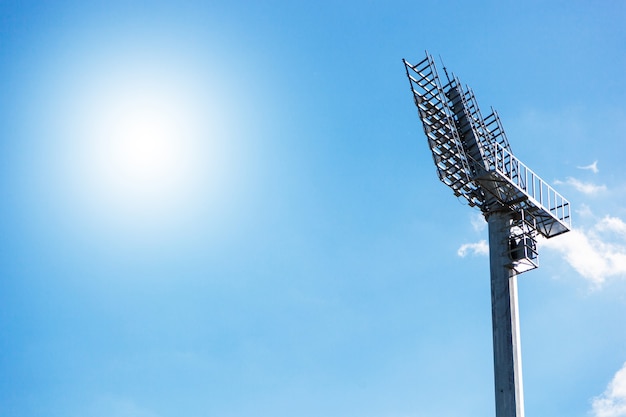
(473, 157)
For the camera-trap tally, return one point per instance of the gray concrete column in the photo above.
(507, 356)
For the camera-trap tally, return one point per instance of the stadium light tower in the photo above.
(473, 157)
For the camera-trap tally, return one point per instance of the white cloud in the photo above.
(478, 248)
(478, 222)
(596, 254)
(612, 224)
(583, 187)
(593, 167)
(612, 402)
(584, 210)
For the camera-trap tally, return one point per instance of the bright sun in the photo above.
(142, 143)
(136, 138)
(142, 146)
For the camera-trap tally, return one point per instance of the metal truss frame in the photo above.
(473, 155)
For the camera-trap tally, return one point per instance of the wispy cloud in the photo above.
(592, 167)
(612, 402)
(478, 222)
(478, 248)
(583, 187)
(584, 210)
(596, 254)
(612, 225)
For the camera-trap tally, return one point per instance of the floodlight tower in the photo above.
(473, 157)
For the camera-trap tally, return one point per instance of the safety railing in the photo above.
(540, 193)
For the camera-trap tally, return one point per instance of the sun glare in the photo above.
(142, 143)
(138, 139)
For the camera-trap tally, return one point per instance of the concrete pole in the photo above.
(507, 356)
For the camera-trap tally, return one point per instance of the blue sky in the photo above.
(230, 209)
